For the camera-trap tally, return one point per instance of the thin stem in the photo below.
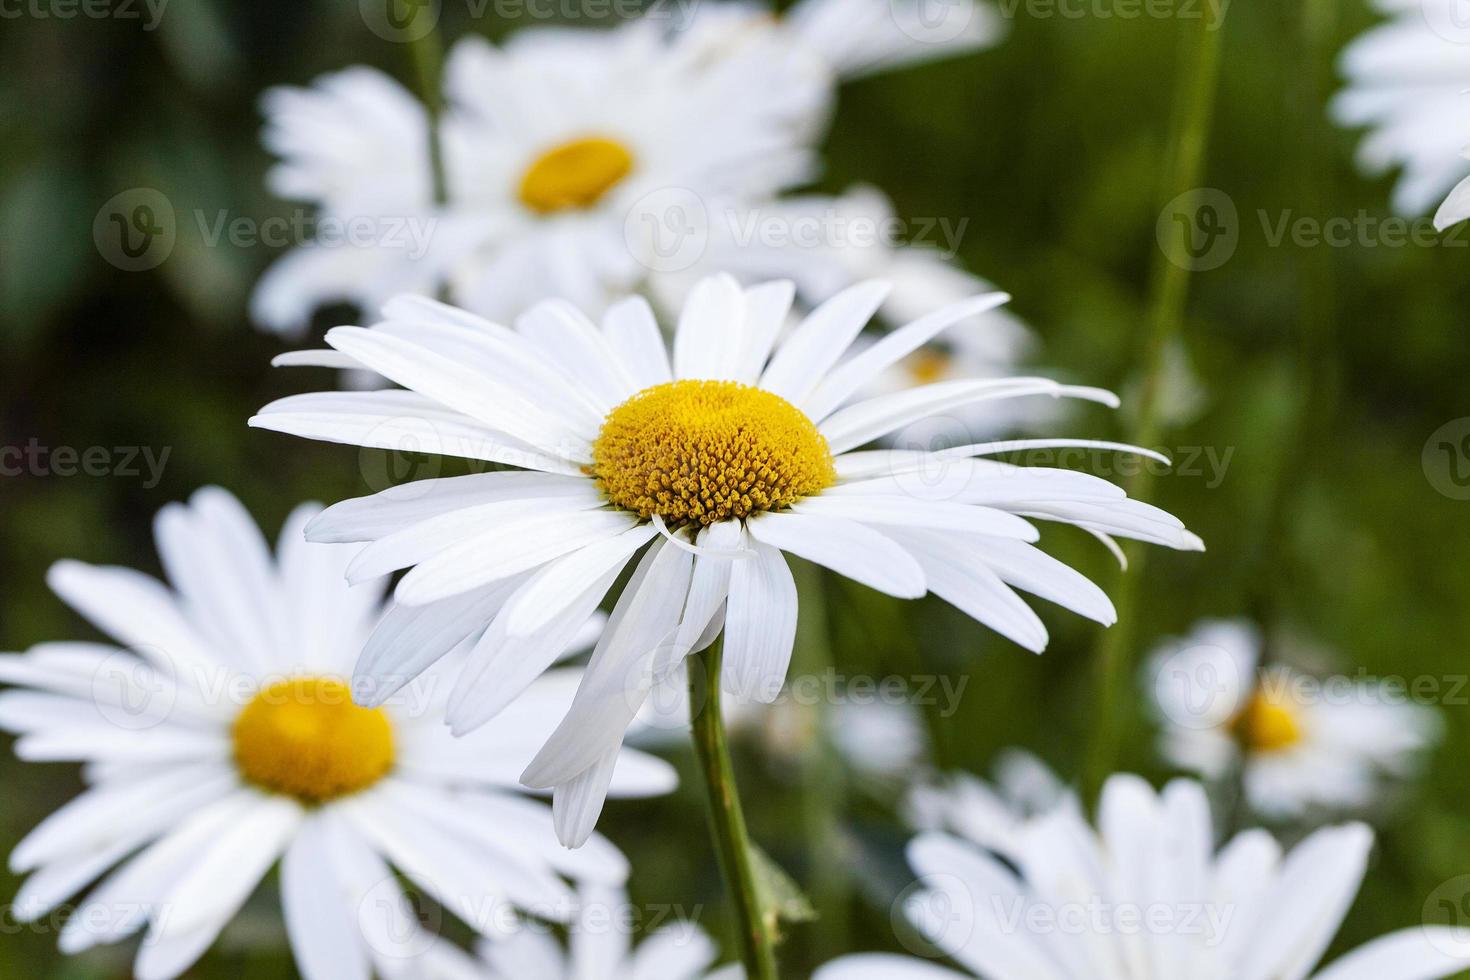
(726, 820)
(824, 786)
(426, 50)
(1169, 290)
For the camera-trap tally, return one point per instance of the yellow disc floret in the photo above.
(575, 174)
(305, 738)
(697, 452)
(1266, 725)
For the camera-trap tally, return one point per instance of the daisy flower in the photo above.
(988, 814)
(855, 38)
(600, 948)
(587, 164)
(1406, 82)
(221, 737)
(564, 151)
(1147, 896)
(713, 463)
(1304, 742)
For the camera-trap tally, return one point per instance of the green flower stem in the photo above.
(427, 53)
(1189, 137)
(727, 821)
(824, 783)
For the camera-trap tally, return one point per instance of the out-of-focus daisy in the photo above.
(1456, 207)
(222, 737)
(1305, 742)
(600, 948)
(584, 165)
(988, 814)
(856, 37)
(1407, 81)
(712, 463)
(561, 148)
(1147, 896)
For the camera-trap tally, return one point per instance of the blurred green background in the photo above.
(1323, 371)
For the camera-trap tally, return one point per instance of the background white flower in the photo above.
(1146, 896)
(1307, 742)
(717, 461)
(599, 947)
(990, 814)
(662, 150)
(221, 736)
(1406, 81)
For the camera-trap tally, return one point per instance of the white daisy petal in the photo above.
(320, 919)
(851, 376)
(507, 550)
(402, 421)
(707, 344)
(620, 674)
(766, 308)
(633, 331)
(760, 625)
(821, 339)
(846, 547)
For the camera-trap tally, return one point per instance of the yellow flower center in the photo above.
(708, 451)
(305, 738)
(575, 174)
(928, 366)
(1266, 725)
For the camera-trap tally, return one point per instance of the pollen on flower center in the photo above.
(698, 452)
(304, 737)
(1266, 725)
(575, 174)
